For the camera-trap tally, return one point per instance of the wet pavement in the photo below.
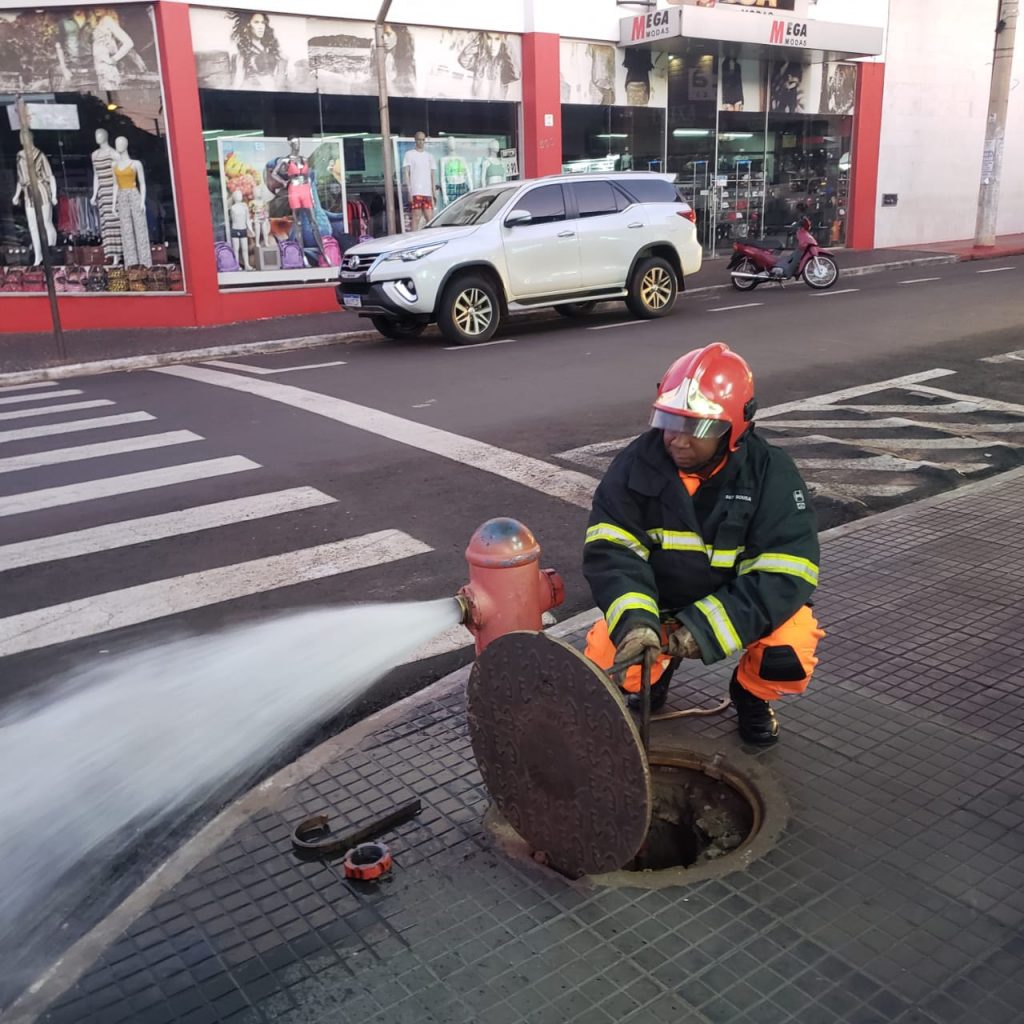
(895, 894)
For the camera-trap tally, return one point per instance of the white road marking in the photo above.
(832, 397)
(1006, 357)
(988, 404)
(621, 323)
(728, 309)
(134, 605)
(27, 387)
(996, 270)
(862, 490)
(841, 291)
(73, 426)
(482, 344)
(953, 429)
(263, 371)
(44, 397)
(921, 280)
(158, 527)
(948, 409)
(889, 464)
(576, 488)
(71, 494)
(50, 410)
(595, 456)
(920, 443)
(79, 453)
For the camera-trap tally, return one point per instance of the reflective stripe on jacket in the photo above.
(732, 563)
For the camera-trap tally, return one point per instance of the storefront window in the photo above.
(267, 78)
(102, 158)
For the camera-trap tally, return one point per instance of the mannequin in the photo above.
(492, 167)
(420, 181)
(47, 196)
(240, 218)
(103, 196)
(455, 180)
(259, 207)
(130, 204)
(293, 172)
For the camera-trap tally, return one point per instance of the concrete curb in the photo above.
(130, 364)
(79, 957)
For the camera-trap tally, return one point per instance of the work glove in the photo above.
(639, 645)
(681, 644)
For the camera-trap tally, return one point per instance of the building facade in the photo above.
(869, 122)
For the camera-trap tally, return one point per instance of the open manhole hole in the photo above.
(573, 789)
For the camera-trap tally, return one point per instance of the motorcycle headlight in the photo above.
(412, 255)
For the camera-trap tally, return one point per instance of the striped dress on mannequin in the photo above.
(110, 225)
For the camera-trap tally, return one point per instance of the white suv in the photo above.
(568, 242)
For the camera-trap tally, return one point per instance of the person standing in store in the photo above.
(702, 543)
(421, 185)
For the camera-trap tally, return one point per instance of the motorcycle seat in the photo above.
(765, 243)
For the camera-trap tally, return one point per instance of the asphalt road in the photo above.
(457, 447)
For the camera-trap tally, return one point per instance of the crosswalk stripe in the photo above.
(71, 494)
(44, 397)
(264, 371)
(988, 404)
(51, 410)
(889, 422)
(909, 443)
(73, 426)
(889, 464)
(134, 605)
(545, 477)
(57, 456)
(158, 527)
(27, 387)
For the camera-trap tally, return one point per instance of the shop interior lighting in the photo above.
(732, 136)
(612, 135)
(691, 133)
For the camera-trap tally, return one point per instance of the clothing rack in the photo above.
(77, 219)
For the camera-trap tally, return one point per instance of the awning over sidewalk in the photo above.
(755, 36)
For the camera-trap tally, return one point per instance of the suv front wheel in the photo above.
(652, 289)
(470, 312)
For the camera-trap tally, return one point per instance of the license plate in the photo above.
(354, 301)
(348, 275)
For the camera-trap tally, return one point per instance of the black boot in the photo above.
(659, 690)
(755, 717)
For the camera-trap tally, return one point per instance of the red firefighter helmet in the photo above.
(709, 392)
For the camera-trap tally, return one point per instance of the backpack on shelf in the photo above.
(75, 279)
(117, 279)
(331, 256)
(158, 279)
(175, 278)
(138, 276)
(12, 279)
(227, 262)
(34, 280)
(291, 254)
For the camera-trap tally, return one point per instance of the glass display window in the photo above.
(102, 161)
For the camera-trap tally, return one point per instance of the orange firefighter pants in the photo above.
(776, 665)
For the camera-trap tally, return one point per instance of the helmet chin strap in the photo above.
(707, 468)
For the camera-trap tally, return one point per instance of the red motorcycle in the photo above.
(757, 262)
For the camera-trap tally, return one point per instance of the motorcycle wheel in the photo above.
(745, 284)
(821, 273)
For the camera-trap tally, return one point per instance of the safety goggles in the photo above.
(691, 426)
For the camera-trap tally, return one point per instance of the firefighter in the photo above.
(702, 543)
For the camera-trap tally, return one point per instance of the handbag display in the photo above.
(117, 279)
(89, 255)
(96, 279)
(158, 279)
(34, 280)
(16, 255)
(138, 278)
(159, 252)
(175, 278)
(12, 279)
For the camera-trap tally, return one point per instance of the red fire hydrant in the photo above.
(507, 590)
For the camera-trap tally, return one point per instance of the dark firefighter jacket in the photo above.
(732, 563)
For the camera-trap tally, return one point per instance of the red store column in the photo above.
(188, 158)
(542, 105)
(867, 143)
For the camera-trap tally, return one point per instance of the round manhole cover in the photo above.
(559, 754)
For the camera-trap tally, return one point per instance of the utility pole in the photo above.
(995, 128)
(35, 199)
(385, 119)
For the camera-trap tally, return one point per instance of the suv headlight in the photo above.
(412, 255)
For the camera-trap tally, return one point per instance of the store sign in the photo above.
(794, 7)
(732, 26)
(646, 28)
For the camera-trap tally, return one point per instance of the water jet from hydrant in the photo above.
(139, 743)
